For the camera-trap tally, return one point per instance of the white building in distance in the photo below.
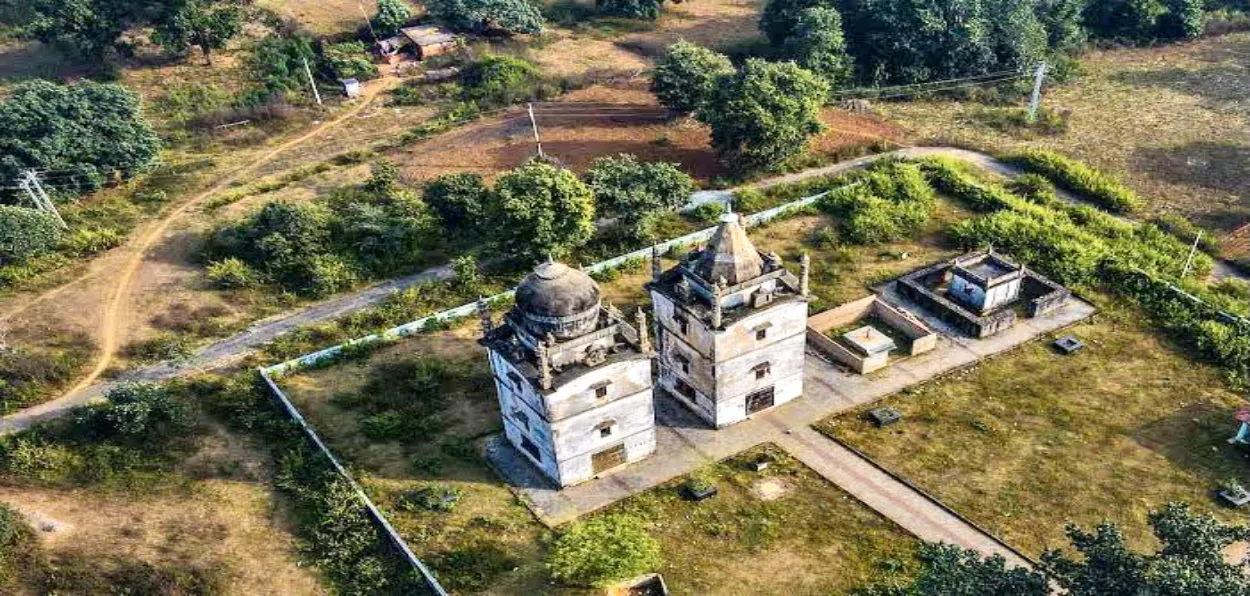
(731, 328)
(574, 379)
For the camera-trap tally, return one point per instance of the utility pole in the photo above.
(30, 184)
(534, 123)
(1036, 102)
(368, 22)
(1193, 252)
(311, 82)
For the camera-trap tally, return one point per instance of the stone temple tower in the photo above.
(573, 376)
(731, 328)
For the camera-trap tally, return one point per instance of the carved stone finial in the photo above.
(544, 366)
(657, 268)
(614, 312)
(483, 312)
(644, 336)
(805, 275)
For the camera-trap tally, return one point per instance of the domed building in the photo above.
(573, 377)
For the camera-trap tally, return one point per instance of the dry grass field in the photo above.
(218, 517)
(1171, 121)
(1031, 440)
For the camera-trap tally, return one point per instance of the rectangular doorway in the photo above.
(608, 458)
(760, 401)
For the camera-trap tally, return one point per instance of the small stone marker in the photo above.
(760, 464)
(1069, 344)
(1234, 494)
(699, 490)
(883, 417)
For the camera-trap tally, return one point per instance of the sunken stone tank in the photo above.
(559, 300)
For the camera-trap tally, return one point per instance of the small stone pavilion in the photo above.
(574, 378)
(986, 281)
(731, 328)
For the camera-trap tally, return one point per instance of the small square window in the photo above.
(605, 431)
(763, 370)
(530, 447)
(601, 392)
(682, 324)
(686, 390)
(516, 381)
(521, 418)
(761, 334)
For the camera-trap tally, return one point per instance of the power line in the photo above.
(979, 79)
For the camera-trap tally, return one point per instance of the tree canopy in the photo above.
(88, 131)
(765, 114)
(512, 16)
(685, 77)
(90, 27)
(206, 24)
(816, 42)
(392, 15)
(636, 192)
(539, 210)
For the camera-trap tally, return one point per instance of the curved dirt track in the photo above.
(109, 329)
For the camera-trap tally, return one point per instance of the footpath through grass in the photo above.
(1036, 439)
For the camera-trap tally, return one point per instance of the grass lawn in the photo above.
(1169, 120)
(785, 530)
(1031, 440)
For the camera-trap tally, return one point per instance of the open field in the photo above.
(1171, 121)
(1027, 442)
(216, 519)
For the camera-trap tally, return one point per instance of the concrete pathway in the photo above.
(921, 515)
(685, 443)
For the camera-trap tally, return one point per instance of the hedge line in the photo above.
(1080, 245)
(1079, 178)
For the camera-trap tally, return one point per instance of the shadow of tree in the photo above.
(1195, 438)
(1222, 87)
(1219, 166)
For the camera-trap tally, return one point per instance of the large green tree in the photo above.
(1189, 562)
(206, 24)
(512, 16)
(603, 550)
(685, 77)
(947, 570)
(1019, 38)
(907, 41)
(89, 27)
(765, 114)
(1125, 20)
(1064, 24)
(780, 18)
(539, 210)
(817, 43)
(392, 15)
(637, 193)
(86, 132)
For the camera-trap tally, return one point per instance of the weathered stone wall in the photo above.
(843, 315)
(578, 438)
(1043, 295)
(922, 338)
(578, 396)
(842, 355)
(954, 314)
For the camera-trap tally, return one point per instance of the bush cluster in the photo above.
(25, 233)
(603, 550)
(316, 249)
(497, 81)
(638, 193)
(889, 202)
(1079, 178)
(349, 60)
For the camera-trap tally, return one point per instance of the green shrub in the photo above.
(630, 9)
(889, 202)
(169, 346)
(637, 193)
(468, 274)
(473, 568)
(1186, 231)
(750, 200)
(231, 273)
(603, 550)
(496, 81)
(436, 497)
(327, 275)
(84, 242)
(1036, 188)
(709, 212)
(483, 16)
(686, 75)
(1079, 178)
(25, 233)
(143, 413)
(392, 15)
(21, 554)
(459, 200)
(350, 60)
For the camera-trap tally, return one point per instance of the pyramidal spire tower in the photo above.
(731, 328)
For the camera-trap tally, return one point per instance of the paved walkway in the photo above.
(685, 443)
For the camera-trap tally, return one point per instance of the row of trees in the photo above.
(1189, 562)
(382, 228)
(94, 28)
